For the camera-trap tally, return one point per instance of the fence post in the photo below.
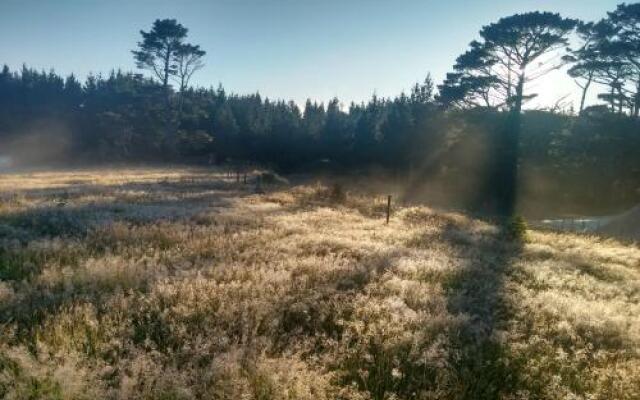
(259, 184)
(388, 207)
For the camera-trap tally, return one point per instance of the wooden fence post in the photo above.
(388, 207)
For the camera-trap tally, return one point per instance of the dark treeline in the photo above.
(591, 159)
(123, 117)
(442, 145)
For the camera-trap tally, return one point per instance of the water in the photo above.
(584, 224)
(5, 163)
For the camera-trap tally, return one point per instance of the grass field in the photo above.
(180, 284)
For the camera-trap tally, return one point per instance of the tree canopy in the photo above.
(512, 51)
(163, 51)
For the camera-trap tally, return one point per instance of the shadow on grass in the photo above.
(476, 293)
(54, 215)
(479, 364)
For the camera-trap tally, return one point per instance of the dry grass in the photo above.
(153, 284)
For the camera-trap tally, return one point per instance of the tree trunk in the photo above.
(612, 100)
(167, 63)
(620, 101)
(584, 92)
(509, 94)
(509, 167)
(636, 102)
(519, 95)
(169, 120)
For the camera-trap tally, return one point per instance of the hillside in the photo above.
(178, 284)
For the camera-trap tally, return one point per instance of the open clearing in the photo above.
(182, 283)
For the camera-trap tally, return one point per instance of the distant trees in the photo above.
(475, 131)
(584, 59)
(188, 60)
(513, 51)
(610, 55)
(422, 93)
(493, 73)
(119, 117)
(157, 50)
(625, 43)
(164, 52)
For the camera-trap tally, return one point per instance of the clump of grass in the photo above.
(336, 193)
(516, 228)
(318, 194)
(16, 265)
(49, 223)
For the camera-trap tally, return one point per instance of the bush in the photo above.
(516, 228)
(337, 194)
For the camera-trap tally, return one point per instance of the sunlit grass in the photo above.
(172, 284)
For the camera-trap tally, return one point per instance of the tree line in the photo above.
(469, 135)
(497, 70)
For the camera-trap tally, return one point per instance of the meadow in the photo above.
(182, 283)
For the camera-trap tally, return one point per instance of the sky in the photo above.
(285, 49)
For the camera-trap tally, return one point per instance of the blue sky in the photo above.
(291, 49)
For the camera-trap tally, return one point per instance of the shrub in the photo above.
(337, 194)
(516, 228)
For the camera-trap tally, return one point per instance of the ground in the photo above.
(183, 283)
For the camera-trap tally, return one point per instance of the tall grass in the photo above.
(179, 284)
